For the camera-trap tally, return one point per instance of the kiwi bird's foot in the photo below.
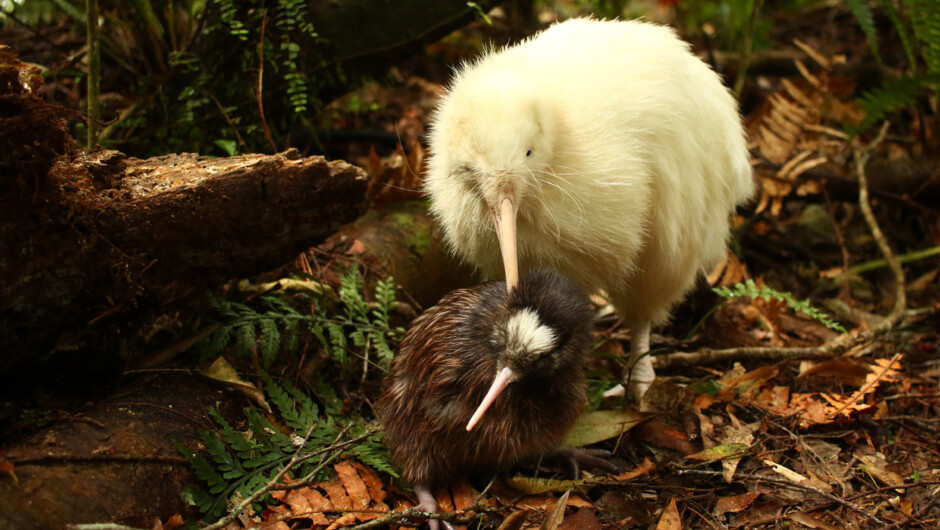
(427, 503)
(576, 458)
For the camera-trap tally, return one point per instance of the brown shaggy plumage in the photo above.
(450, 357)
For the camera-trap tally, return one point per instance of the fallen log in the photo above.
(97, 241)
(113, 462)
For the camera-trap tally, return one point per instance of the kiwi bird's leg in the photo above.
(427, 503)
(505, 217)
(639, 374)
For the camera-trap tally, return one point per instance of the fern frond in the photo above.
(751, 290)
(904, 32)
(866, 21)
(893, 95)
(925, 20)
(270, 341)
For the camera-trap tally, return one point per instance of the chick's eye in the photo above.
(528, 153)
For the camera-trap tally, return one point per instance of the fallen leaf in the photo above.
(555, 515)
(220, 370)
(720, 452)
(659, 435)
(373, 482)
(810, 521)
(535, 486)
(318, 505)
(7, 466)
(514, 521)
(337, 494)
(645, 467)
(875, 464)
(463, 495)
(670, 520)
(735, 503)
(355, 486)
(600, 425)
(583, 519)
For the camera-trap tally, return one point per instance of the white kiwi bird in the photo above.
(603, 149)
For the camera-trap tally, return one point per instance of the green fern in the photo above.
(919, 30)
(367, 329)
(866, 21)
(894, 95)
(925, 21)
(751, 290)
(238, 463)
(353, 333)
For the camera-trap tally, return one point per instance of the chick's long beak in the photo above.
(503, 378)
(505, 218)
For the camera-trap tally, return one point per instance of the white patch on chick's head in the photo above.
(527, 338)
(499, 135)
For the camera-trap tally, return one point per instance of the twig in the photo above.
(862, 154)
(792, 485)
(838, 345)
(411, 513)
(264, 122)
(94, 67)
(273, 483)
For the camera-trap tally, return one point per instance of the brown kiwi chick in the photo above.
(518, 353)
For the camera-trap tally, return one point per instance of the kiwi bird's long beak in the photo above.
(503, 378)
(505, 217)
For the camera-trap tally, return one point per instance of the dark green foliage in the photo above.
(354, 332)
(242, 462)
(866, 21)
(920, 19)
(367, 329)
(751, 290)
(895, 94)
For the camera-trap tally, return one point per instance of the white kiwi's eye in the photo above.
(528, 153)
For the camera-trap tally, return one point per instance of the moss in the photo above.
(417, 234)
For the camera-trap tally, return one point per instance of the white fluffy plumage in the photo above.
(622, 154)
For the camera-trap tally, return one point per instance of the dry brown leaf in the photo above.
(337, 494)
(318, 505)
(463, 495)
(355, 486)
(875, 465)
(373, 482)
(810, 521)
(776, 399)
(670, 520)
(811, 410)
(555, 515)
(583, 519)
(514, 521)
(343, 520)
(734, 504)
(644, 468)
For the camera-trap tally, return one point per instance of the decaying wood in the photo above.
(129, 234)
(97, 238)
(114, 462)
